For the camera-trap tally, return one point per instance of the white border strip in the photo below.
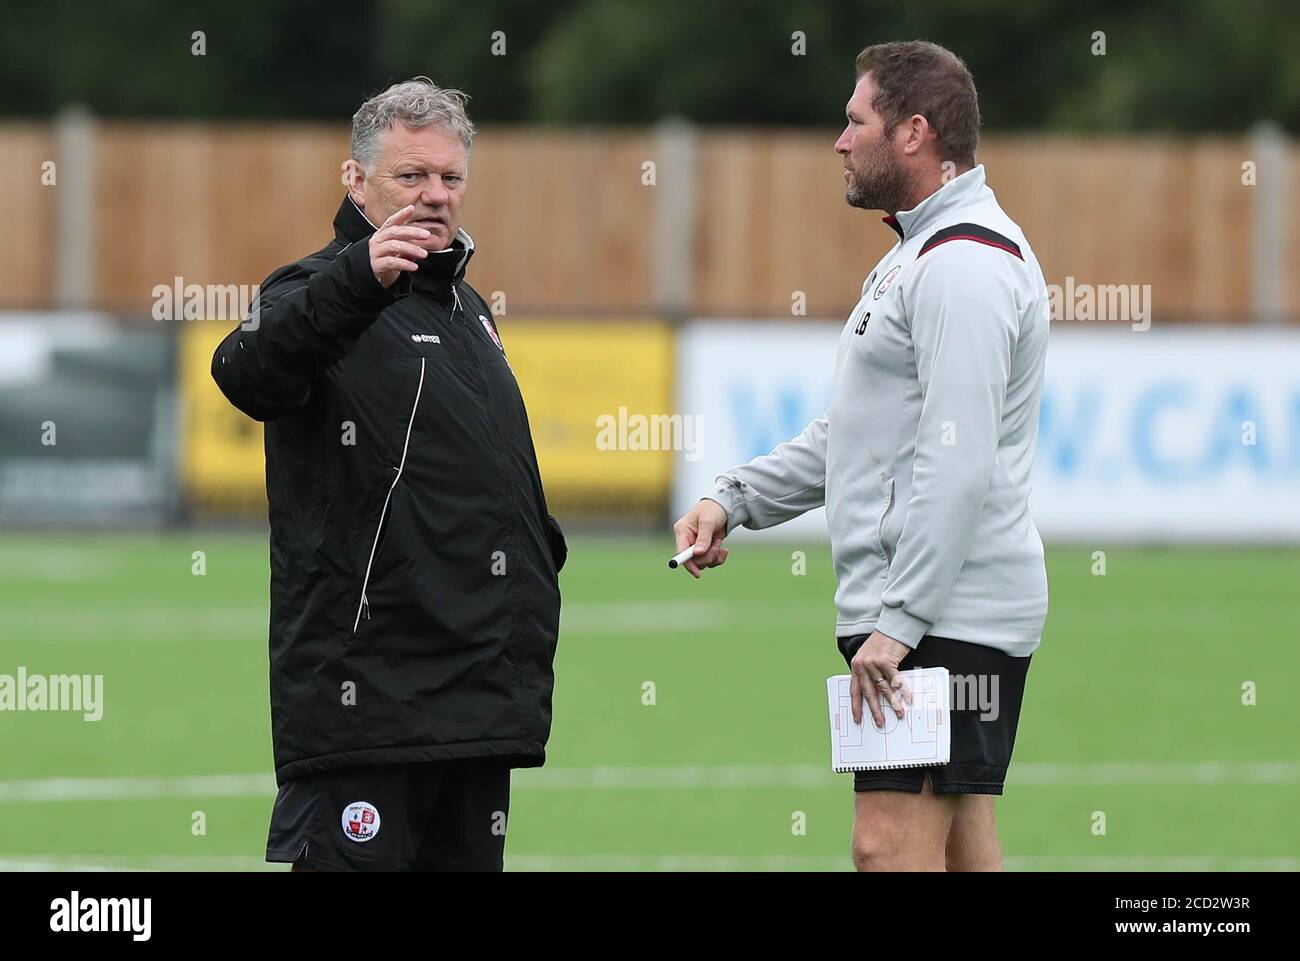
(659, 862)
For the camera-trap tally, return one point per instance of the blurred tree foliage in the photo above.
(1169, 65)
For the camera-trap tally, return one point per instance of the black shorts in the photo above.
(987, 688)
(427, 816)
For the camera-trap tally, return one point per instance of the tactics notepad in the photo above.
(921, 738)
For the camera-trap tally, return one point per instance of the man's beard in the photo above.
(881, 185)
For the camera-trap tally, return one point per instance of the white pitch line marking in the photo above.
(696, 777)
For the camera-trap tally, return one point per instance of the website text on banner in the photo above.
(1190, 434)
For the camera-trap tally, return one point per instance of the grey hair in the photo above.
(418, 102)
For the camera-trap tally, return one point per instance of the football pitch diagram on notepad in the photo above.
(912, 738)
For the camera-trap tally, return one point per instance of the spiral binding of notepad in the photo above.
(884, 766)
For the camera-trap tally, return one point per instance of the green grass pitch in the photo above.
(1133, 709)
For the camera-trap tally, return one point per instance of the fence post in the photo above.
(1268, 247)
(674, 250)
(74, 215)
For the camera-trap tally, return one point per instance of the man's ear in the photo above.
(354, 178)
(918, 128)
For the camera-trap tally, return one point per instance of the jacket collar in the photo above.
(965, 189)
(440, 269)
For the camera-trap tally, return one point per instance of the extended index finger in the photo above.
(401, 217)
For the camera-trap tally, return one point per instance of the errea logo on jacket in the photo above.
(426, 338)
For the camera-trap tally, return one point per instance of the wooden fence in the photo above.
(565, 221)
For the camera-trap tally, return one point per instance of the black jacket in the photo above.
(414, 596)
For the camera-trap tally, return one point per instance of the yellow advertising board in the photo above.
(222, 460)
(598, 392)
(599, 396)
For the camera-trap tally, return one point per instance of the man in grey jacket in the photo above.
(923, 459)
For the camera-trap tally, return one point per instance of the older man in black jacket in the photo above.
(414, 593)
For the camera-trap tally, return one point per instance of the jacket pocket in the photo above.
(372, 540)
(885, 551)
(385, 512)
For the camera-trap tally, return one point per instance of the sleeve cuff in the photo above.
(361, 279)
(346, 294)
(902, 626)
(732, 501)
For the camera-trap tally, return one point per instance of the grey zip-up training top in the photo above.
(923, 460)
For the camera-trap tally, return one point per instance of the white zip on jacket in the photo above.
(923, 460)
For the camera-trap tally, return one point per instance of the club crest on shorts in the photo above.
(360, 821)
(885, 284)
